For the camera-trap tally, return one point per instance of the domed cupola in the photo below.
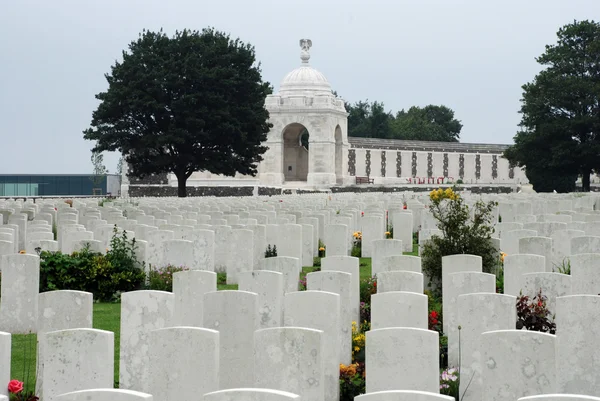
(305, 80)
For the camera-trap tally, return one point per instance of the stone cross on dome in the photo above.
(305, 45)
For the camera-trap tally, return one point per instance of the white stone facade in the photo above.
(305, 104)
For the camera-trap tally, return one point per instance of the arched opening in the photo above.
(339, 154)
(295, 152)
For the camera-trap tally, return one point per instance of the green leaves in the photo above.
(430, 123)
(191, 102)
(560, 136)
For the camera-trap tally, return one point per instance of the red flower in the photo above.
(404, 207)
(433, 314)
(15, 386)
(539, 303)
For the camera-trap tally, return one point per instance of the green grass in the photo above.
(107, 316)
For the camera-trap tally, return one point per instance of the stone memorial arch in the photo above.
(308, 143)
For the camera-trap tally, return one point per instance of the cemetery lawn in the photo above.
(107, 316)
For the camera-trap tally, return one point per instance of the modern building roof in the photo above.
(425, 146)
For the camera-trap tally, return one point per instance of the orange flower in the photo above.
(22, 252)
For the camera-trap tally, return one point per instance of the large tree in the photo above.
(429, 123)
(560, 126)
(191, 102)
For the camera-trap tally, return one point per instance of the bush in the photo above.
(162, 279)
(462, 234)
(105, 276)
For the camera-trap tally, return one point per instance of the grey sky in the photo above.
(471, 55)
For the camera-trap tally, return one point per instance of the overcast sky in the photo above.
(470, 55)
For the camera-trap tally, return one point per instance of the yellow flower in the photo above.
(502, 255)
(387, 233)
(321, 249)
(22, 252)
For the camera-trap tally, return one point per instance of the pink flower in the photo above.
(15, 386)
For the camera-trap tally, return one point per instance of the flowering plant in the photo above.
(365, 313)
(357, 244)
(465, 230)
(435, 322)
(353, 376)
(534, 314)
(162, 279)
(368, 287)
(302, 284)
(17, 390)
(352, 381)
(449, 383)
(16, 393)
(321, 251)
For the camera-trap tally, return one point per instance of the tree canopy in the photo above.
(559, 137)
(191, 102)
(429, 123)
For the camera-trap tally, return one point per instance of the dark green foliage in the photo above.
(271, 252)
(430, 123)
(222, 278)
(191, 102)
(560, 125)
(105, 276)
(548, 180)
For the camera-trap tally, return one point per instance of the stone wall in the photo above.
(392, 162)
(476, 189)
(140, 191)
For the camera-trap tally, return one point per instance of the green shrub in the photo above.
(462, 234)
(105, 276)
(162, 279)
(59, 271)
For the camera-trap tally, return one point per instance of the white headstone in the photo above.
(399, 309)
(251, 394)
(299, 311)
(189, 288)
(141, 312)
(234, 314)
(19, 293)
(402, 358)
(184, 362)
(77, 359)
(577, 351)
(290, 359)
(517, 363)
(269, 287)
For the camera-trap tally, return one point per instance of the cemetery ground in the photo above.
(107, 316)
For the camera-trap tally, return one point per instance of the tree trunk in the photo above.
(585, 180)
(181, 185)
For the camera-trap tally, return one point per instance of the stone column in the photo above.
(321, 163)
